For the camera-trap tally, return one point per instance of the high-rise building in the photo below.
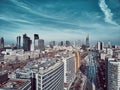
(61, 43)
(67, 43)
(18, 42)
(52, 44)
(41, 45)
(26, 43)
(50, 76)
(113, 74)
(36, 40)
(87, 41)
(99, 46)
(2, 43)
(69, 71)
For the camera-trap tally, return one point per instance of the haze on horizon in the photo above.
(61, 19)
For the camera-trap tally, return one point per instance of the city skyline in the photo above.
(60, 20)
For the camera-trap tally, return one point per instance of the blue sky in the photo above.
(61, 19)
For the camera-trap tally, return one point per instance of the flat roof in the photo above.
(13, 83)
(46, 67)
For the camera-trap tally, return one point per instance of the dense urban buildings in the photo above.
(13, 84)
(59, 44)
(62, 66)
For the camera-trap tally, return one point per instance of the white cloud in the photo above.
(9, 19)
(107, 12)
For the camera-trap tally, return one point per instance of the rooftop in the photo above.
(13, 84)
(49, 65)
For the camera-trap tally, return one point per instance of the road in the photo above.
(92, 69)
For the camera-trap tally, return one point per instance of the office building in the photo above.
(67, 43)
(87, 41)
(41, 45)
(50, 76)
(99, 46)
(60, 43)
(36, 38)
(18, 42)
(2, 43)
(26, 43)
(69, 71)
(113, 74)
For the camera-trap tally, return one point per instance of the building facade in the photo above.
(69, 71)
(26, 43)
(87, 41)
(41, 45)
(99, 46)
(50, 76)
(113, 75)
(18, 42)
(2, 43)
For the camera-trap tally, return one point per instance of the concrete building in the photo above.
(87, 41)
(41, 45)
(103, 56)
(16, 84)
(13, 84)
(50, 76)
(109, 51)
(67, 43)
(99, 46)
(1, 43)
(69, 71)
(26, 43)
(60, 43)
(113, 74)
(18, 42)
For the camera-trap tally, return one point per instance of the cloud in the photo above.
(29, 9)
(107, 12)
(14, 20)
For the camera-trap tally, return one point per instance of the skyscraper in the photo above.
(60, 43)
(1, 43)
(18, 42)
(67, 43)
(69, 70)
(41, 44)
(113, 74)
(87, 41)
(26, 43)
(36, 40)
(99, 45)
